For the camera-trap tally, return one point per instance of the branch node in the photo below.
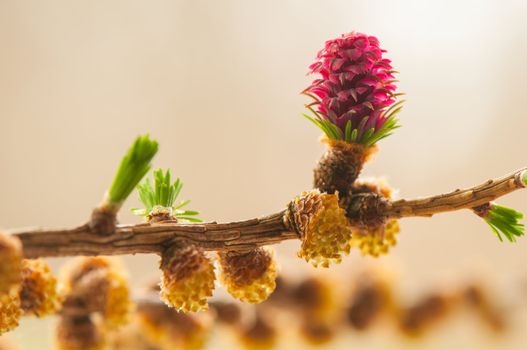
(103, 221)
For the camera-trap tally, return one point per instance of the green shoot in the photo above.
(162, 196)
(134, 166)
(505, 221)
(367, 137)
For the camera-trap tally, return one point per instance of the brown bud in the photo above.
(79, 267)
(367, 303)
(250, 275)
(259, 335)
(416, 319)
(282, 292)
(317, 332)
(372, 234)
(98, 285)
(314, 297)
(169, 329)
(322, 225)
(227, 312)
(131, 337)
(188, 278)
(477, 298)
(89, 293)
(309, 294)
(78, 333)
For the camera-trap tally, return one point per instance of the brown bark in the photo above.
(154, 238)
(243, 235)
(458, 199)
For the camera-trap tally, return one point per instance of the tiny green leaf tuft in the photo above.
(134, 166)
(505, 221)
(362, 134)
(162, 196)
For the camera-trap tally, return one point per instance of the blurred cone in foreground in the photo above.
(38, 292)
(10, 262)
(78, 333)
(10, 311)
(98, 285)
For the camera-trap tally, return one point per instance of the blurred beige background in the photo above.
(218, 82)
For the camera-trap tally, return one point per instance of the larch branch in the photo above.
(154, 238)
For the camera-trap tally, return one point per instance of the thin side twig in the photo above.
(458, 199)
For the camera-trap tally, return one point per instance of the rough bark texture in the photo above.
(155, 238)
(249, 234)
(458, 199)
